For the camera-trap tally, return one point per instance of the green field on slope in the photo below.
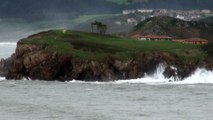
(95, 46)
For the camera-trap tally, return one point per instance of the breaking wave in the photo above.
(200, 76)
(2, 78)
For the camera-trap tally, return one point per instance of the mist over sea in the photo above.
(149, 98)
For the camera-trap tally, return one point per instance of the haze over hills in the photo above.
(47, 9)
(31, 16)
(172, 4)
(37, 9)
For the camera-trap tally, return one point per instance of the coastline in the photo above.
(36, 58)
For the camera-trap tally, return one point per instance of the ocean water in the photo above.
(149, 98)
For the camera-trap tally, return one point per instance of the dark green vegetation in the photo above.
(208, 49)
(175, 28)
(95, 46)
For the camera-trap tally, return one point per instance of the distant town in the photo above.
(187, 15)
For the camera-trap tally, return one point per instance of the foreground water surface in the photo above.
(38, 100)
(149, 98)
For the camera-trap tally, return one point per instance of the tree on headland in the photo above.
(100, 27)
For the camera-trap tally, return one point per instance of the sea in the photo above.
(149, 98)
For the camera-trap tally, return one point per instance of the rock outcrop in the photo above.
(5, 65)
(35, 62)
(55, 55)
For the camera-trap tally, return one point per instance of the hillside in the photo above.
(175, 28)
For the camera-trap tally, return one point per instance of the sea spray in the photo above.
(2, 78)
(201, 75)
(157, 77)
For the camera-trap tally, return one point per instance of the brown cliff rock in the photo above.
(35, 62)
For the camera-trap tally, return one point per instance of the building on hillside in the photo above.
(156, 37)
(192, 41)
(145, 10)
(132, 21)
(197, 41)
(137, 36)
(151, 37)
(206, 11)
(126, 12)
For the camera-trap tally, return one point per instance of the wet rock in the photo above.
(170, 72)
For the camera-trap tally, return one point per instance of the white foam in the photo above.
(157, 77)
(8, 43)
(200, 76)
(2, 78)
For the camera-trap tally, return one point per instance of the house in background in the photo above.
(195, 41)
(156, 37)
(137, 36)
(151, 37)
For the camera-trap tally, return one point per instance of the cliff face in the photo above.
(67, 55)
(34, 62)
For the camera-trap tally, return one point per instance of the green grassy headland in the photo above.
(95, 46)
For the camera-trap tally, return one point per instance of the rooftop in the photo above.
(157, 36)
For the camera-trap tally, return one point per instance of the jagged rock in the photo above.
(35, 63)
(5, 65)
(169, 72)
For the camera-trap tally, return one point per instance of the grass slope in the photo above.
(94, 46)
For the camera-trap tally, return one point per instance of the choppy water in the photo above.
(150, 98)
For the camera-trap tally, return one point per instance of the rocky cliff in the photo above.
(34, 62)
(35, 59)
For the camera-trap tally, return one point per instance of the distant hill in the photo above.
(172, 4)
(48, 9)
(175, 28)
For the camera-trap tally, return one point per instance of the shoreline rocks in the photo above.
(35, 62)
